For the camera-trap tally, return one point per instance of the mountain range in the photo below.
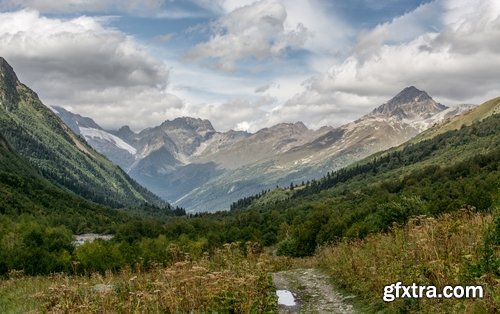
(187, 162)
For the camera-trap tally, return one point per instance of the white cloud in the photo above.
(324, 34)
(243, 126)
(448, 48)
(330, 36)
(317, 109)
(97, 71)
(80, 62)
(328, 33)
(458, 63)
(79, 51)
(232, 114)
(252, 31)
(401, 29)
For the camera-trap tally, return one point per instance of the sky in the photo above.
(247, 64)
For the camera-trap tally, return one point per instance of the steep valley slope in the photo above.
(61, 156)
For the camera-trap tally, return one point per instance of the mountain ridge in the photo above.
(8, 81)
(234, 163)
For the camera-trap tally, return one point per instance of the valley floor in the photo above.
(456, 248)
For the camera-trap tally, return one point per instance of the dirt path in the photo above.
(312, 292)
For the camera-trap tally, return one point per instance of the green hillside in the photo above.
(38, 219)
(62, 157)
(453, 170)
(25, 193)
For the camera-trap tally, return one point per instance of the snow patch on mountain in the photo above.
(103, 135)
(441, 116)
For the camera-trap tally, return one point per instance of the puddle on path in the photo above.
(285, 298)
(307, 290)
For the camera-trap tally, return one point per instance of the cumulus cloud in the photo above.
(243, 126)
(330, 37)
(458, 63)
(327, 33)
(80, 51)
(318, 109)
(425, 18)
(97, 71)
(447, 47)
(252, 31)
(79, 61)
(233, 113)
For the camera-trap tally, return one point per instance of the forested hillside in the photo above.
(453, 170)
(25, 192)
(38, 219)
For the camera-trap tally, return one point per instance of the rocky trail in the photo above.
(308, 290)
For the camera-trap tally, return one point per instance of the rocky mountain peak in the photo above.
(125, 128)
(8, 82)
(189, 123)
(6, 71)
(300, 125)
(409, 94)
(410, 103)
(124, 132)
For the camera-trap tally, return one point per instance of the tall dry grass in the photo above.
(427, 251)
(230, 281)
